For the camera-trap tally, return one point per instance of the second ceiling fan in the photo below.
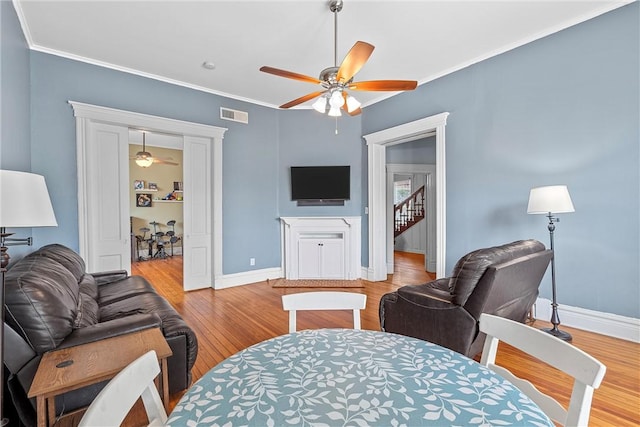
(336, 80)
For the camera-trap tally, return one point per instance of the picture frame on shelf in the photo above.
(153, 186)
(143, 200)
(177, 185)
(138, 184)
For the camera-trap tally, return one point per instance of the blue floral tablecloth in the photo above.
(345, 377)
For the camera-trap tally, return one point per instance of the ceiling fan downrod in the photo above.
(335, 6)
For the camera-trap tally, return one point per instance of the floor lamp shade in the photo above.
(24, 201)
(550, 199)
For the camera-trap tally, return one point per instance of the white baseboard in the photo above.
(613, 325)
(247, 277)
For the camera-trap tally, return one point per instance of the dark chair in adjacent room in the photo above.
(501, 280)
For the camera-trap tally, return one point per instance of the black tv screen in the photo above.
(320, 183)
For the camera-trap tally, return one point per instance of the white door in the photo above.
(108, 226)
(332, 261)
(309, 263)
(197, 249)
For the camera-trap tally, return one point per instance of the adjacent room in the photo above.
(337, 212)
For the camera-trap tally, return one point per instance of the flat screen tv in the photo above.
(320, 183)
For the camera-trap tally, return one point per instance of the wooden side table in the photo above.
(71, 368)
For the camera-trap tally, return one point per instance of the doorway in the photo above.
(156, 199)
(377, 190)
(103, 189)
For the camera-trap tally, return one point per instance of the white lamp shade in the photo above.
(24, 201)
(320, 105)
(352, 104)
(550, 199)
(144, 159)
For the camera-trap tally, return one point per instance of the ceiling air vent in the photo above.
(234, 115)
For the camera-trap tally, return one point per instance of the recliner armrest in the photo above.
(103, 277)
(111, 328)
(434, 294)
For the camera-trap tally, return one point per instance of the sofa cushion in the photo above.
(123, 289)
(470, 268)
(65, 256)
(41, 300)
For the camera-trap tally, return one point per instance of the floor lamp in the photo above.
(24, 203)
(552, 200)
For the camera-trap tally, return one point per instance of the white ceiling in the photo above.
(170, 40)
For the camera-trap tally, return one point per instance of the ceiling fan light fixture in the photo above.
(336, 100)
(320, 105)
(144, 159)
(334, 112)
(352, 104)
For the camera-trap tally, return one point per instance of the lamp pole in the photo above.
(555, 319)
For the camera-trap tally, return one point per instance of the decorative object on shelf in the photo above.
(143, 200)
(138, 184)
(552, 200)
(25, 203)
(335, 81)
(177, 185)
(153, 186)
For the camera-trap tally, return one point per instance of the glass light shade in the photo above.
(24, 201)
(334, 112)
(352, 104)
(550, 199)
(336, 100)
(320, 105)
(144, 159)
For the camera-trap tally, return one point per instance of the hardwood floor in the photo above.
(229, 320)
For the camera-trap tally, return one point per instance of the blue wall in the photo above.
(561, 110)
(419, 152)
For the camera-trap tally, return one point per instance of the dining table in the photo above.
(349, 377)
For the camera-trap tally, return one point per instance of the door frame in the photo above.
(86, 114)
(377, 189)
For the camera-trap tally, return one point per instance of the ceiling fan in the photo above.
(144, 159)
(337, 79)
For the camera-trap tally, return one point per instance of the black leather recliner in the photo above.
(501, 280)
(52, 303)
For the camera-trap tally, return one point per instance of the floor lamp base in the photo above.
(565, 336)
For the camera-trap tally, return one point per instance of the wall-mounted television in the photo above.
(320, 183)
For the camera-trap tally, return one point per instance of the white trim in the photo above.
(612, 325)
(377, 143)
(248, 277)
(86, 113)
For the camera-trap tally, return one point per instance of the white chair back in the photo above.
(586, 370)
(323, 301)
(116, 399)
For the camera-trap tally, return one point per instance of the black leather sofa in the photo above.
(501, 280)
(52, 303)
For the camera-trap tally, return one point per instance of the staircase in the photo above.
(409, 212)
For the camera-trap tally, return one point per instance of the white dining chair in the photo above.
(116, 399)
(585, 369)
(323, 300)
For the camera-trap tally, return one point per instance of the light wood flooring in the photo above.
(229, 320)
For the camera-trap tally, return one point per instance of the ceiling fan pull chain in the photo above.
(336, 125)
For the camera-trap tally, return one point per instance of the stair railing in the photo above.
(409, 211)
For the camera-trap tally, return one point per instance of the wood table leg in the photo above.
(165, 384)
(51, 410)
(41, 411)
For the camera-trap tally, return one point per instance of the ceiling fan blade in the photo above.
(164, 162)
(355, 59)
(289, 74)
(302, 99)
(384, 85)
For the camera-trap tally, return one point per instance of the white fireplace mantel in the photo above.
(321, 247)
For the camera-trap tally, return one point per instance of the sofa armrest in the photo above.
(111, 328)
(103, 277)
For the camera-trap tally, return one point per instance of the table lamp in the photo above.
(552, 200)
(24, 203)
